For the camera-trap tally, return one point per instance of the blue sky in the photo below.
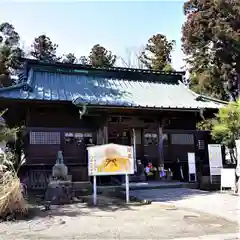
(121, 26)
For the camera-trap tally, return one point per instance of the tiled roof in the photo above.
(98, 90)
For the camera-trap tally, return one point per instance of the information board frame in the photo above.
(215, 160)
(192, 166)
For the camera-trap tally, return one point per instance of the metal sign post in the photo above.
(127, 188)
(94, 190)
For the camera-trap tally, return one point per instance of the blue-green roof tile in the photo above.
(97, 90)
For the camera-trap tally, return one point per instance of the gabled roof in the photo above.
(112, 87)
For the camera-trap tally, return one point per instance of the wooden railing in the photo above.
(37, 179)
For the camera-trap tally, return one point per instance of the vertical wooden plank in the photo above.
(160, 148)
(27, 117)
(98, 136)
(105, 134)
(160, 136)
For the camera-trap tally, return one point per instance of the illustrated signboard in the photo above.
(227, 178)
(110, 159)
(215, 159)
(192, 166)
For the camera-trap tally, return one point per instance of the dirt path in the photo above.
(114, 221)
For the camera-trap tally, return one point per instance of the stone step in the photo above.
(137, 178)
(149, 185)
(85, 188)
(82, 188)
(82, 185)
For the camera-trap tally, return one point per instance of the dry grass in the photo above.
(11, 195)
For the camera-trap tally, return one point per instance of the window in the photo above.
(69, 138)
(48, 138)
(201, 145)
(182, 139)
(150, 139)
(77, 138)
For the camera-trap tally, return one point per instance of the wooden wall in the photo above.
(61, 128)
(54, 127)
(64, 122)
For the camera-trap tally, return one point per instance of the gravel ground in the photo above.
(117, 221)
(223, 205)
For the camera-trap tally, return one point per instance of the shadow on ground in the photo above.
(79, 207)
(167, 195)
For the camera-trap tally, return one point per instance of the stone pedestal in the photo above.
(60, 171)
(59, 192)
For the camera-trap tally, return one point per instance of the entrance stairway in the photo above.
(149, 185)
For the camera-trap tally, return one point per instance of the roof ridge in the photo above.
(109, 75)
(90, 67)
(200, 96)
(107, 92)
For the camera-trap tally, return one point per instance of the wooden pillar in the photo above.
(102, 132)
(99, 136)
(27, 117)
(105, 134)
(160, 147)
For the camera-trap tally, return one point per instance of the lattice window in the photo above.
(48, 138)
(182, 139)
(201, 145)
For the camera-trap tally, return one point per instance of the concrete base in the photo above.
(59, 192)
(205, 184)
